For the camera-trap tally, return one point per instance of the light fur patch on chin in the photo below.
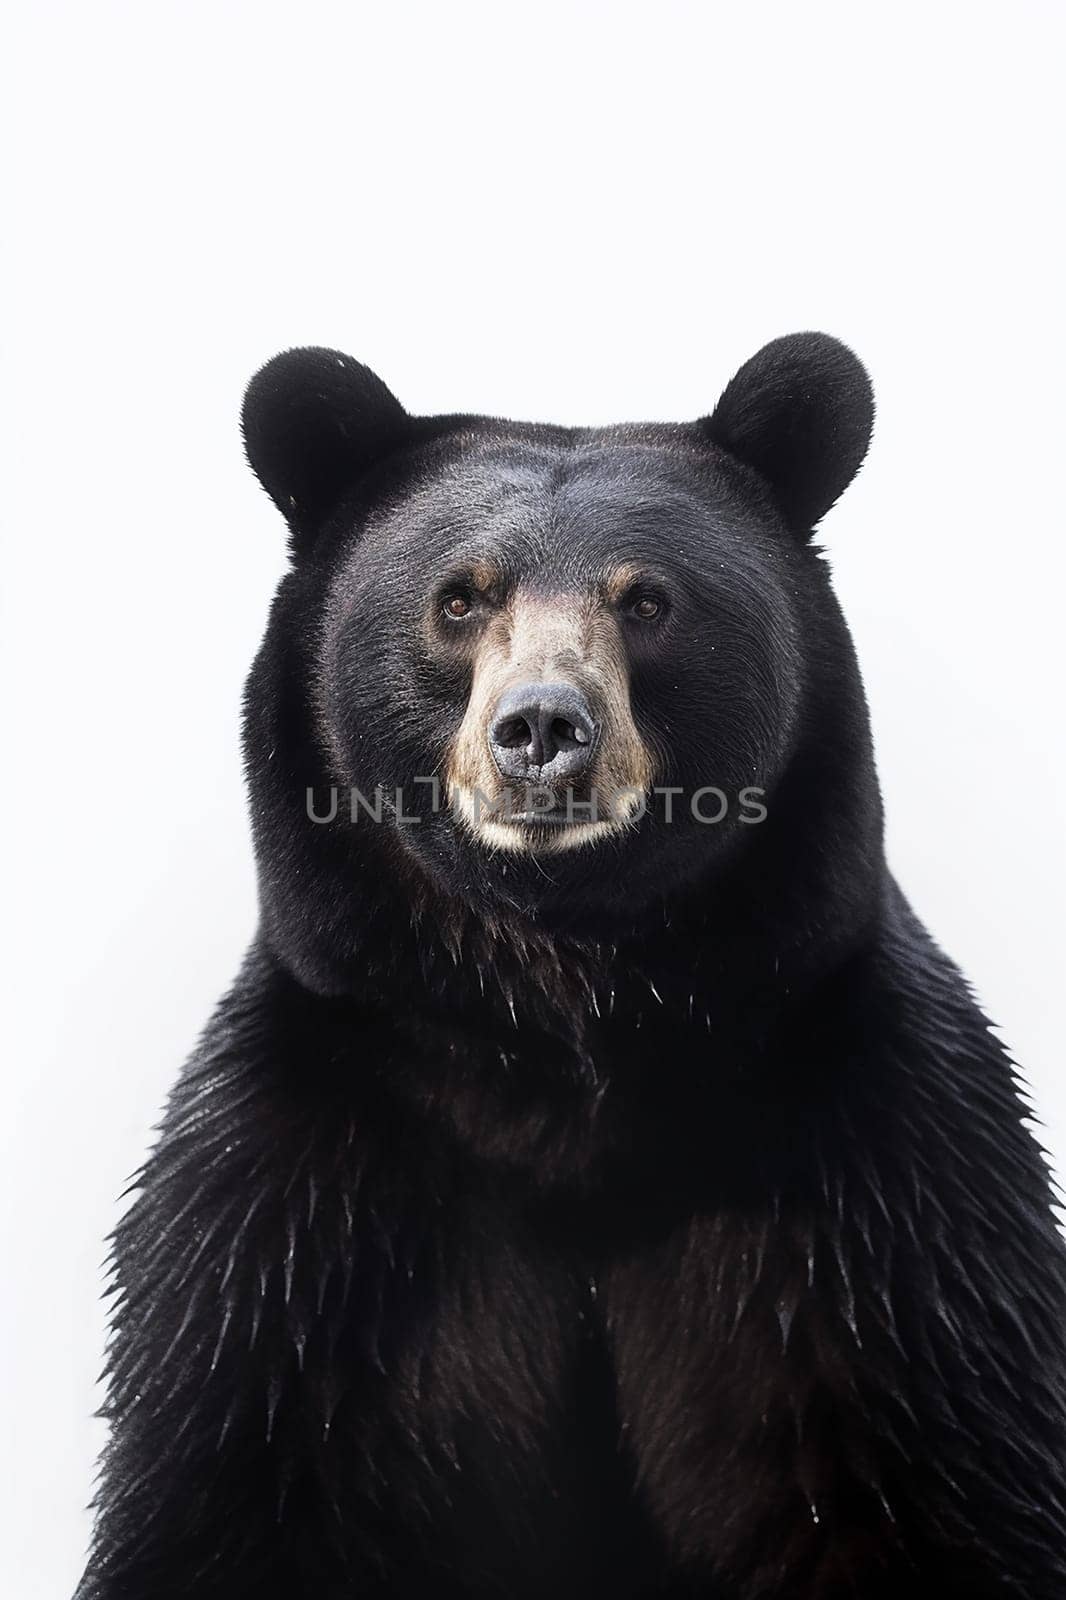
(520, 838)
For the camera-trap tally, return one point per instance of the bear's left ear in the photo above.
(313, 421)
(800, 413)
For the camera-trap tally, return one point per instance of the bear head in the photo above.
(547, 674)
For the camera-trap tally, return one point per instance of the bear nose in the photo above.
(543, 731)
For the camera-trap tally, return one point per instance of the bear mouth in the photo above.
(542, 834)
(556, 817)
(566, 822)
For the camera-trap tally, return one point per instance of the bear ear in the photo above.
(313, 421)
(800, 413)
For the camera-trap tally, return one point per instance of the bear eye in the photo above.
(456, 606)
(646, 607)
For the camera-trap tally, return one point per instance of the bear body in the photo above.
(586, 1198)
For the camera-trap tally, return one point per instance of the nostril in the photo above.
(566, 734)
(512, 733)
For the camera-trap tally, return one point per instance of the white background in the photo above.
(580, 213)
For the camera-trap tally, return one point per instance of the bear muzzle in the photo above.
(548, 756)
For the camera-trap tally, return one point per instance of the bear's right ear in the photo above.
(313, 421)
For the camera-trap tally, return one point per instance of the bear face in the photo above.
(565, 665)
(590, 586)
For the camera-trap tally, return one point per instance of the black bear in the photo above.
(596, 1181)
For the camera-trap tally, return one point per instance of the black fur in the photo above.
(655, 1219)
